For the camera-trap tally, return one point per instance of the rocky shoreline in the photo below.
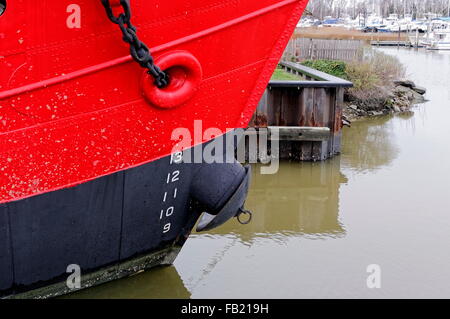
(404, 95)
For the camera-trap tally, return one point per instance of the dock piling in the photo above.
(306, 114)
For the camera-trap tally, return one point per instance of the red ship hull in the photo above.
(88, 173)
(72, 104)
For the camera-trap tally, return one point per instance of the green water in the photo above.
(317, 226)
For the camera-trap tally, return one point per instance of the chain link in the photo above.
(138, 49)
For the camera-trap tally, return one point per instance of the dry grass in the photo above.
(373, 79)
(340, 33)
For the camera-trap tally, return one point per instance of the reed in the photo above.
(340, 33)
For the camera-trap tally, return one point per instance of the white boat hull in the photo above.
(439, 46)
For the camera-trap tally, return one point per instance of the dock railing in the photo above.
(306, 114)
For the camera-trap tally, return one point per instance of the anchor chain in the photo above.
(138, 50)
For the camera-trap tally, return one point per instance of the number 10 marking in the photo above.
(169, 212)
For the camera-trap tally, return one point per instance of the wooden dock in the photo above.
(306, 114)
(409, 44)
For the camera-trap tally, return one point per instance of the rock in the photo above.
(396, 99)
(417, 98)
(346, 121)
(405, 83)
(400, 90)
(406, 96)
(420, 90)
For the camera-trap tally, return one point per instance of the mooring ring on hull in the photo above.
(185, 74)
(244, 212)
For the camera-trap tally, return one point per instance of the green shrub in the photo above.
(336, 68)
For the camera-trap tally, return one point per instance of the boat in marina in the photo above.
(440, 41)
(439, 35)
(92, 180)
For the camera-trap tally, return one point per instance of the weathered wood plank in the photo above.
(298, 133)
(332, 94)
(289, 107)
(337, 125)
(307, 120)
(261, 115)
(275, 100)
(308, 107)
(320, 107)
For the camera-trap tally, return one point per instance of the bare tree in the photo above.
(354, 8)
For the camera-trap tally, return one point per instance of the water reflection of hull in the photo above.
(159, 283)
(301, 199)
